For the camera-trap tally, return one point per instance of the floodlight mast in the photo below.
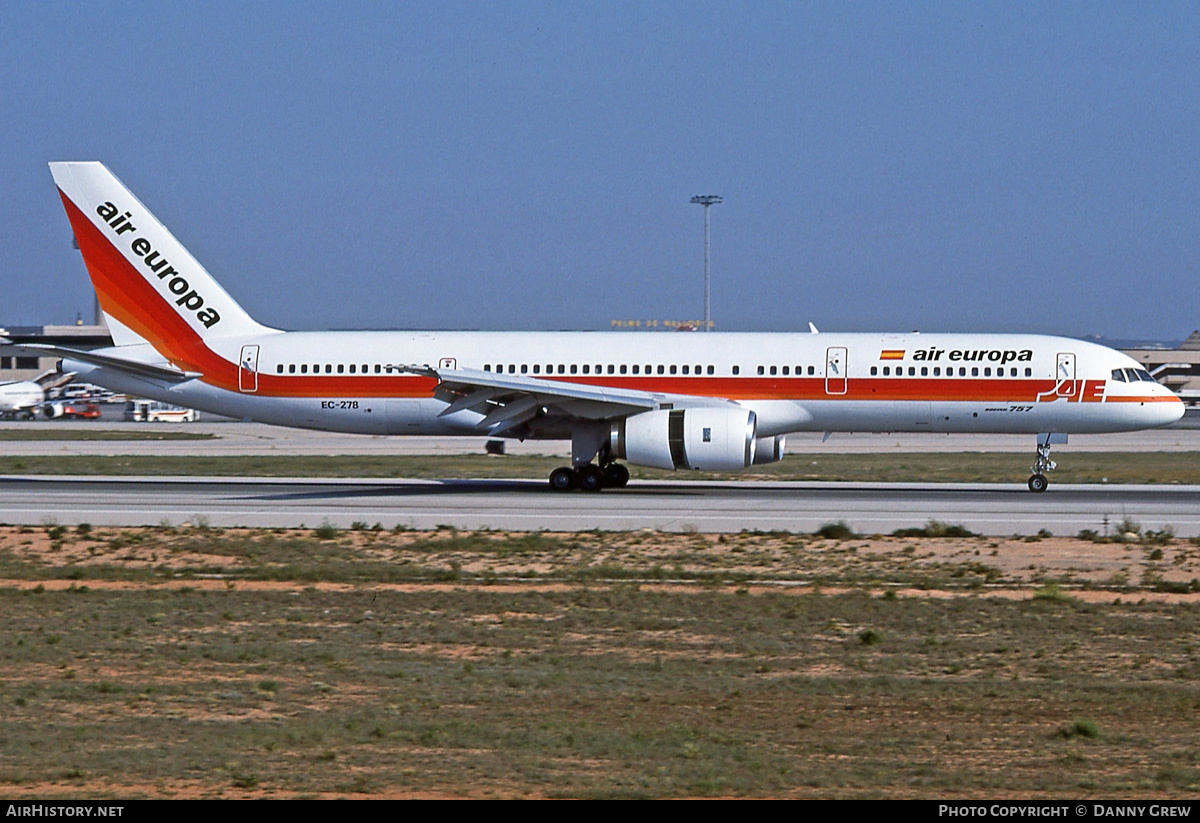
(706, 200)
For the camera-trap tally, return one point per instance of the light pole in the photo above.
(706, 200)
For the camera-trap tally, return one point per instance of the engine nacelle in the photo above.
(52, 410)
(708, 439)
(769, 450)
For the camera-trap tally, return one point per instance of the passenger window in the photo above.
(378, 368)
(637, 369)
(341, 368)
(772, 371)
(887, 371)
(1028, 372)
(811, 370)
(697, 370)
(711, 369)
(962, 371)
(685, 369)
(672, 369)
(924, 371)
(537, 368)
(974, 371)
(987, 372)
(279, 369)
(874, 371)
(937, 371)
(737, 369)
(762, 370)
(291, 368)
(524, 368)
(611, 368)
(574, 369)
(586, 369)
(786, 371)
(353, 368)
(661, 369)
(304, 368)
(623, 368)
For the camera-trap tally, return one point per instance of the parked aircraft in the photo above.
(20, 399)
(712, 402)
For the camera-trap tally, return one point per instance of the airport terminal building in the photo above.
(16, 364)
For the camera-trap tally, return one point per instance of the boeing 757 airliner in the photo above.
(712, 402)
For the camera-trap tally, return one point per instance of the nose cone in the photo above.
(1168, 410)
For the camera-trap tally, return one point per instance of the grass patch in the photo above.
(935, 528)
(68, 432)
(1084, 467)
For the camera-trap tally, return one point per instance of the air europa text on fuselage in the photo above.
(1001, 356)
(188, 298)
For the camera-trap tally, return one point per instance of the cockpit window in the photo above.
(1144, 376)
(1119, 375)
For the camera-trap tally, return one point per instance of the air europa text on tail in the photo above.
(187, 297)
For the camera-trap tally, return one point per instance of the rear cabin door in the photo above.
(248, 370)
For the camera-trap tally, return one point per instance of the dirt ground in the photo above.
(344, 567)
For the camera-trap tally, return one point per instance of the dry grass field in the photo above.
(189, 661)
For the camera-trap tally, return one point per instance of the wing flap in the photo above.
(505, 399)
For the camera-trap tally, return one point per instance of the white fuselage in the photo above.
(341, 381)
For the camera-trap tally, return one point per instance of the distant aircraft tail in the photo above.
(150, 288)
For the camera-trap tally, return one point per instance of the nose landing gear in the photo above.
(1043, 463)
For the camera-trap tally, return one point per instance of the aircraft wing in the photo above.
(167, 373)
(507, 400)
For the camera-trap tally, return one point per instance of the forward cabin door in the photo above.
(835, 370)
(1064, 375)
(248, 370)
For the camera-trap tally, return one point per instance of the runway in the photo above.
(530, 505)
(258, 439)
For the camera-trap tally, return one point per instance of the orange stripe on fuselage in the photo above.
(732, 388)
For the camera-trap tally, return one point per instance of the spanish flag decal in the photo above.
(891, 354)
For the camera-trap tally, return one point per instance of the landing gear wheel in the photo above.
(1043, 464)
(562, 479)
(616, 475)
(591, 478)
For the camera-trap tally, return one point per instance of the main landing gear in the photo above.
(1043, 463)
(589, 477)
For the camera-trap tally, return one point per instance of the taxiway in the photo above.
(990, 509)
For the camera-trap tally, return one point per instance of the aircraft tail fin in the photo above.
(150, 288)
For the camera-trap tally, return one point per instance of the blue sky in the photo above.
(885, 166)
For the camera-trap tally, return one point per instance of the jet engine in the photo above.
(52, 410)
(708, 439)
(769, 450)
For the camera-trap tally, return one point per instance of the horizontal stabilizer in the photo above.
(168, 373)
